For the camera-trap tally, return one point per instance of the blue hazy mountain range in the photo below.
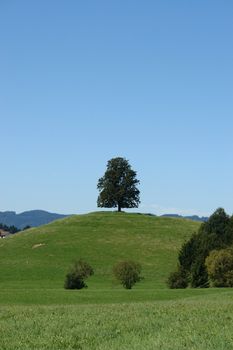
(28, 218)
(190, 217)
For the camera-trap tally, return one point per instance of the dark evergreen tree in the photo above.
(188, 251)
(217, 224)
(216, 233)
(199, 275)
(118, 186)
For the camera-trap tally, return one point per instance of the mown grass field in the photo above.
(37, 313)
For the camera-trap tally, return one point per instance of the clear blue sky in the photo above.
(84, 81)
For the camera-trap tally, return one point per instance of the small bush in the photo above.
(219, 266)
(178, 279)
(75, 278)
(128, 273)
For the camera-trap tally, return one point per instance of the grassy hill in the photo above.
(41, 314)
(40, 257)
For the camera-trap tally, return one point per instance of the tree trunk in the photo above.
(119, 208)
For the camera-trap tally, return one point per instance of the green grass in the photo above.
(96, 296)
(36, 312)
(40, 257)
(197, 323)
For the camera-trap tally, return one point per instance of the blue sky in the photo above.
(85, 81)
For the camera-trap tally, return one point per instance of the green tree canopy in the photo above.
(118, 186)
(219, 264)
(128, 273)
(79, 272)
(215, 234)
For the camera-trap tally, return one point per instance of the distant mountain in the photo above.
(190, 217)
(28, 218)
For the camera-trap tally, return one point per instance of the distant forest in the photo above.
(11, 229)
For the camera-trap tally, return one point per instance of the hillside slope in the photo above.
(40, 257)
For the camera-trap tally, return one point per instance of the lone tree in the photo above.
(118, 186)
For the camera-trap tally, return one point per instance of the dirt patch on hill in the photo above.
(38, 245)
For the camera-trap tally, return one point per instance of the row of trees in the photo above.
(206, 259)
(11, 229)
(126, 272)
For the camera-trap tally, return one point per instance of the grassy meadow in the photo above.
(202, 322)
(36, 312)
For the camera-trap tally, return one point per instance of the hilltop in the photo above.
(39, 257)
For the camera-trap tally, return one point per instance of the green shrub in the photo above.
(79, 272)
(128, 273)
(219, 266)
(178, 279)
